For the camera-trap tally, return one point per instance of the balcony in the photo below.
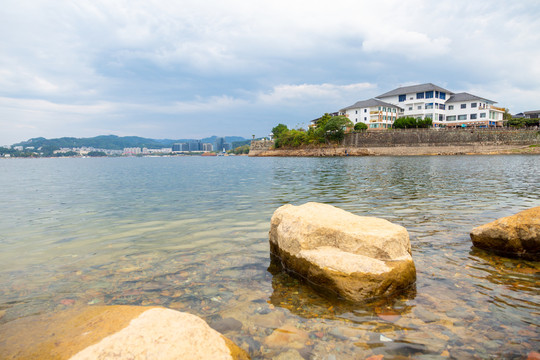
(375, 112)
(497, 108)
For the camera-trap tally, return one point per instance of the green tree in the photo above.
(360, 126)
(507, 115)
(279, 129)
(96, 153)
(410, 122)
(335, 128)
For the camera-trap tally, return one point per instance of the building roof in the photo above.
(414, 89)
(531, 112)
(368, 103)
(466, 97)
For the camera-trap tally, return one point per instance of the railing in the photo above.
(497, 108)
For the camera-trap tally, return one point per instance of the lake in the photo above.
(191, 233)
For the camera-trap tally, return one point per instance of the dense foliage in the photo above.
(328, 129)
(360, 126)
(521, 122)
(410, 122)
(244, 149)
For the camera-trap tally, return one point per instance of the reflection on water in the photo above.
(191, 234)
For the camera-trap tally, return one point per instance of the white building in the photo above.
(445, 108)
(376, 114)
(132, 151)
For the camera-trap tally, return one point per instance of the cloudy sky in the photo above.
(195, 68)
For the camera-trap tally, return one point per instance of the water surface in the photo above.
(191, 233)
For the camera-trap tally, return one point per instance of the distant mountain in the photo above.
(113, 142)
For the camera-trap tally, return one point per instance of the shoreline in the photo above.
(399, 151)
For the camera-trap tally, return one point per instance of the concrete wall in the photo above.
(442, 137)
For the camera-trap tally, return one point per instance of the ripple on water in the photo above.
(192, 234)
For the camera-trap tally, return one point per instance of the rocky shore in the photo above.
(397, 151)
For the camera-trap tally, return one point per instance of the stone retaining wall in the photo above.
(417, 142)
(442, 137)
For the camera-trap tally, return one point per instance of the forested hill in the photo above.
(113, 142)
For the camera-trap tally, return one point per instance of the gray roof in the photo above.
(368, 103)
(532, 112)
(415, 89)
(466, 97)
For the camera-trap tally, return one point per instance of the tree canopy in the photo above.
(328, 129)
(411, 122)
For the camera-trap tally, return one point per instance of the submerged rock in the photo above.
(516, 235)
(354, 256)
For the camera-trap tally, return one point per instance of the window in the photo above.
(429, 94)
(441, 106)
(379, 108)
(429, 106)
(462, 117)
(442, 95)
(419, 107)
(384, 109)
(436, 94)
(473, 105)
(473, 116)
(356, 111)
(410, 108)
(451, 118)
(402, 98)
(365, 118)
(450, 107)
(441, 117)
(482, 115)
(365, 110)
(420, 95)
(463, 106)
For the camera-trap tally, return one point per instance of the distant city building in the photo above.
(195, 145)
(160, 151)
(221, 145)
(207, 147)
(180, 147)
(132, 151)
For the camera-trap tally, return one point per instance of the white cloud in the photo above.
(96, 59)
(312, 93)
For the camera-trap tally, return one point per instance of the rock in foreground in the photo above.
(115, 332)
(516, 235)
(356, 257)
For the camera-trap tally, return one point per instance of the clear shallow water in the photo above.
(191, 234)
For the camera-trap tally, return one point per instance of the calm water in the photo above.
(191, 233)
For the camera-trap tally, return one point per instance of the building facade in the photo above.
(444, 107)
(376, 114)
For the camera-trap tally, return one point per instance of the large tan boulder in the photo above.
(356, 257)
(115, 332)
(516, 235)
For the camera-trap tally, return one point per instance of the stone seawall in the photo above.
(258, 147)
(418, 142)
(442, 137)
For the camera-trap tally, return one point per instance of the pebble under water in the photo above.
(191, 234)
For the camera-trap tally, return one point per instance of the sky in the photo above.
(192, 69)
